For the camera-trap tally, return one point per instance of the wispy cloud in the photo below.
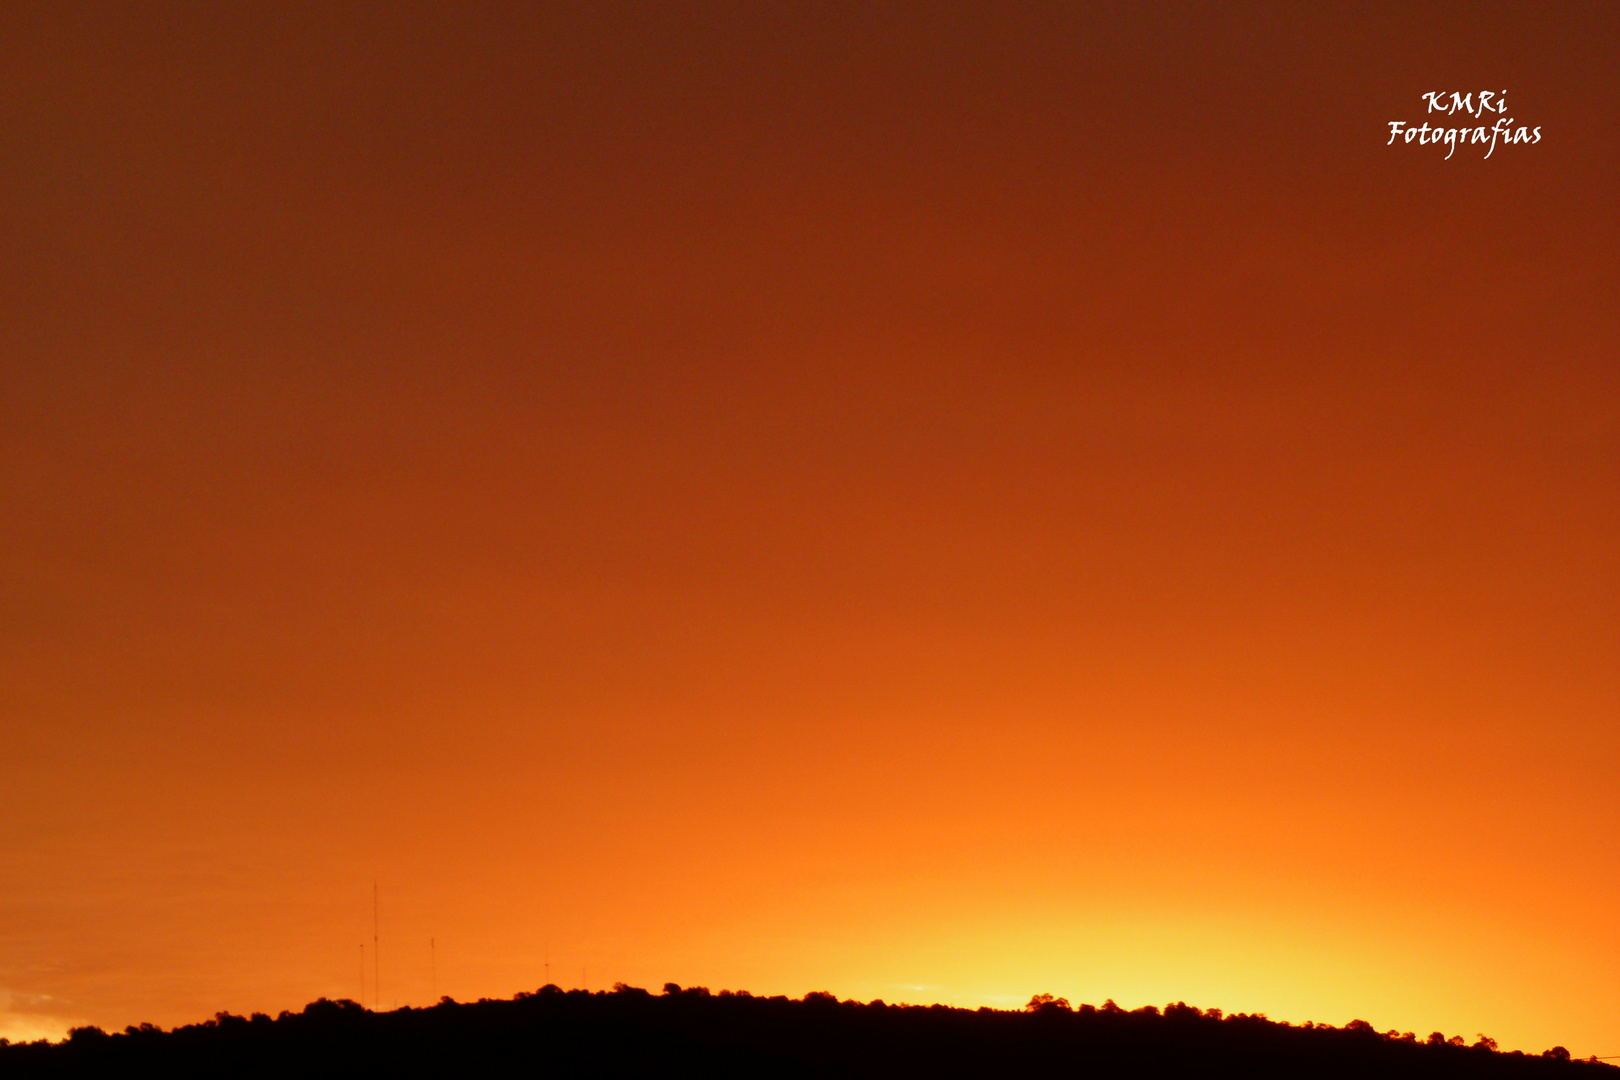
(27, 1017)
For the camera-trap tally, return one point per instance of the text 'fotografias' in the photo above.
(1486, 105)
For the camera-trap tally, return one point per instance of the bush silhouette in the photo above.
(693, 1032)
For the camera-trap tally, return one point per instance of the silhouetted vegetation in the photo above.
(691, 1032)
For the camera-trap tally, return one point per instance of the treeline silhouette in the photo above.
(691, 1032)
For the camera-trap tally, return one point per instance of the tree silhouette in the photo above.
(692, 1032)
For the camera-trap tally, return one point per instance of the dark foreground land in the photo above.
(629, 1032)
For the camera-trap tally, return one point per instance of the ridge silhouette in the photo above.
(691, 1032)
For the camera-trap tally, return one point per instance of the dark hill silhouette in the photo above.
(630, 1032)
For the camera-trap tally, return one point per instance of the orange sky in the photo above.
(931, 502)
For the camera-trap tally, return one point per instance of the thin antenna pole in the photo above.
(376, 955)
(547, 951)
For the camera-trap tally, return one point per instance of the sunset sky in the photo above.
(929, 501)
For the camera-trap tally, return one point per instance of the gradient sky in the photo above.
(926, 501)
